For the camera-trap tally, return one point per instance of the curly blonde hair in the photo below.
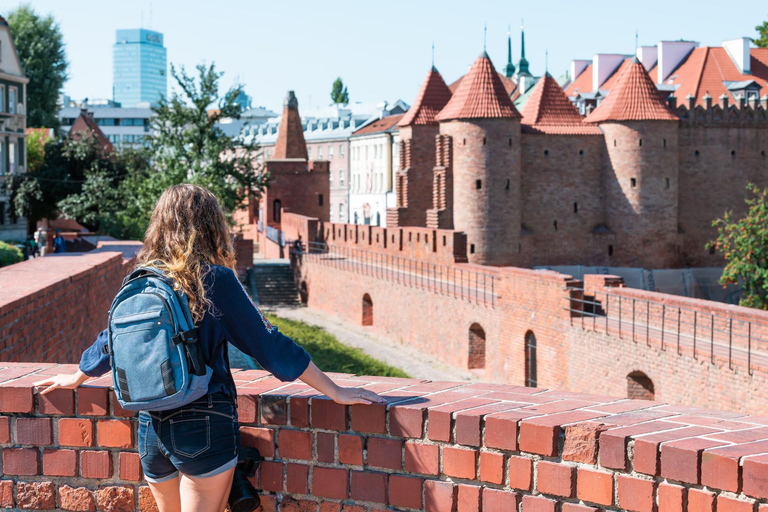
(187, 232)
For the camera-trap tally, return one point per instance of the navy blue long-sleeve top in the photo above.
(234, 318)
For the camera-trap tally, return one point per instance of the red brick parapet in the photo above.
(436, 446)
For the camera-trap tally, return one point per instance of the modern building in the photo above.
(374, 153)
(13, 123)
(122, 126)
(140, 67)
(327, 132)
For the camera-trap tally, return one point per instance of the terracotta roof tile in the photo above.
(548, 110)
(509, 85)
(705, 70)
(380, 125)
(481, 94)
(85, 124)
(611, 81)
(582, 83)
(633, 97)
(432, 97)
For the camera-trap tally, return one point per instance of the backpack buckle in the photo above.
(187, 337)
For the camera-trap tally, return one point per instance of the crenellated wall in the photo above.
(435, 446)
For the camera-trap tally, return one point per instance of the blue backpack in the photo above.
(155, 358)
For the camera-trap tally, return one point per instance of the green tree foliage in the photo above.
(339, 92)
(9, 254)
(40, 46)
(762, 41)
(744, 243)
(35, 143)
(188, 147)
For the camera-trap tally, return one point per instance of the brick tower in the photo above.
(641, 171)
(481, 127)
(418, 129)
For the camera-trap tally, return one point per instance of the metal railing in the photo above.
(475, 287)
(276, 235)
(700, 334)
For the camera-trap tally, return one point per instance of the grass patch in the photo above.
(329, 354)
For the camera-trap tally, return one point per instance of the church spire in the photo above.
(522, 66)
(509, 70)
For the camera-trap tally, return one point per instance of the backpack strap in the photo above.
(148, 271)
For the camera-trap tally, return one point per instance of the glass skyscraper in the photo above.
(140, 67)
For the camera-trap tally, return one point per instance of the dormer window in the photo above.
(747, 89)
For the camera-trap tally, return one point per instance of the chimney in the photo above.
(648, 55)
(670, 55)
(578, 66)
(738, 50)
(603, 66)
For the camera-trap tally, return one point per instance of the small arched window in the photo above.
(277, 206)
(530, 360)
(367, 310)
(640, 387)
(476, 347)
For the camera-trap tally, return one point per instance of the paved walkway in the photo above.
(396, 354)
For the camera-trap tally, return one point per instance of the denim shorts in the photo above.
(200, 439)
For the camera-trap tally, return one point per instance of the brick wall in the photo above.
(52, 308)
(579, 347)
(435, 446)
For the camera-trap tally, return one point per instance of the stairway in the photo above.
(272, 283)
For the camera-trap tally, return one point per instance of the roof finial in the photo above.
(546, 60)
(433, 54)
(509, 70)
(485, 35)
(637, 45)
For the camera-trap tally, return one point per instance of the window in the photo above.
(472, 249)
(276, 210)
(12, 100)
(330, 177)
(319, 152)
(711, 249)
(666, 185)
(320, 200)
(581, 152)
(506, 187)
(641, 142)
(634, 182)
(546, 152)
(2, 98)
(341, 150)
(367, 310)
(554, 223)
(484, 141)
(733, 152)
(330, 151)
(478, 184)
(376, 151)
(575, 207)
(309, 153)
(610, 250)
(11, 158)
(341, 211)
(530, 360)
(341, 178)
(665, 142)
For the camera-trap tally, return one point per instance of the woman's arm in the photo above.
(62, 381)
(314, 377)
(93, 363)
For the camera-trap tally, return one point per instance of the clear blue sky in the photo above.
(380, 49)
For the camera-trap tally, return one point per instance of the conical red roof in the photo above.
(548, 110)
(432, 97)
(290, 134)
(633, 97)
(479, 95)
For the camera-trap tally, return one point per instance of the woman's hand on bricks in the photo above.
(350, 396)
(62, 381)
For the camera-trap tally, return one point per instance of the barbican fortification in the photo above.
(635, 183)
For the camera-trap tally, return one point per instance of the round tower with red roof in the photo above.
(484, 130)
(641, 167)
(418, 129)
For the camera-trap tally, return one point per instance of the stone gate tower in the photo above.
(641, 171)
(483, 127)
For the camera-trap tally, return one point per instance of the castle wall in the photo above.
(486, 187)
(300, 186)
(414, 177)
(562, 200)
(717, 161)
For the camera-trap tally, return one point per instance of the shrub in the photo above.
(9, 254)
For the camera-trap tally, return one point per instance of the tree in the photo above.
(762, 41)
(187, 146)
(339, 92)
(744, 243)
(40, 46)
(35, 144)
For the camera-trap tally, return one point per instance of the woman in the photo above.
(189, 454)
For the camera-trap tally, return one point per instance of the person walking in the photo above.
(188, 454)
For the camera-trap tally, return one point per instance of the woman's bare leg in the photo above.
(205, 494)
(167, 495)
